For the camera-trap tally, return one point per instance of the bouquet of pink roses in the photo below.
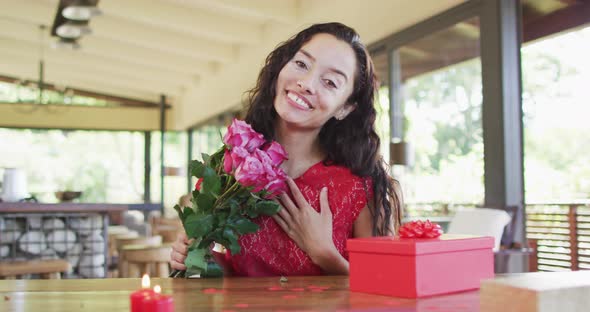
(235, 184)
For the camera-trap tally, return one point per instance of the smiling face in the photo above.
(316, 83)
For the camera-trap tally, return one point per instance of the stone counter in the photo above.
(76, 232)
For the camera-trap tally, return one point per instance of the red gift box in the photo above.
(418, 267)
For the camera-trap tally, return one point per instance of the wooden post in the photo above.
(573, 227)
(533, 259)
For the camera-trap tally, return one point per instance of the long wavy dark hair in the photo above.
(351, 142)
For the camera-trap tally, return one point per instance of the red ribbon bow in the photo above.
(420, 229)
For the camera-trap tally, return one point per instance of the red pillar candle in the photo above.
(157, 302)
(138, 296)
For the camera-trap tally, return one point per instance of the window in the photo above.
(107, 166)
(441, 103)
(556, 72)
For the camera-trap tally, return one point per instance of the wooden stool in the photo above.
(125, 241)
(112, 240)
(112, 259)
(48, 269)
(139, 257)
(117, 229)
(155, 221)
(169, 233)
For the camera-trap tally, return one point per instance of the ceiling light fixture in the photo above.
(73, 30)
(81, 11)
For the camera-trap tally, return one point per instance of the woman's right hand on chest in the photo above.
(179, 252)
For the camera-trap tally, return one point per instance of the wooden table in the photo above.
(326, 293)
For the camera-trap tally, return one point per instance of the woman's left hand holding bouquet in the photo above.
(238, 182)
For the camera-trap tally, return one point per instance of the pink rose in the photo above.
(265, 160)
(277, 185)
(276, 152)
(269, 171)
(250, 172)
(227, 162)
(241, 134)
(238, 154)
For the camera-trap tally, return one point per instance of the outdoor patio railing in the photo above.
(562, 235)
(559, 232)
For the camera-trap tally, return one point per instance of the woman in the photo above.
(315, 96)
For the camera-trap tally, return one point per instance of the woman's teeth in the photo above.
(298, 100)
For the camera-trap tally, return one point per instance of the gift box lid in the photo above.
(419, 246)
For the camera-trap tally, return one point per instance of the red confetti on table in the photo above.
(213, 291)
(289, 297)
(275, 288)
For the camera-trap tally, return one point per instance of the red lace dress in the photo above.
(270, 252)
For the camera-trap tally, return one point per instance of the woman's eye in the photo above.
(300, 64)
(330, 83)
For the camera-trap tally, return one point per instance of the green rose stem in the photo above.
(235, 186)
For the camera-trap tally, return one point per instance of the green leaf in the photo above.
(221, 218)
(252, 213)
(267, 207)
(213, 270)
(183, 212)
(196, 167)
(231, 236)
(251, 201)
(205, 157)
(205, 202)
(179, 211)
(187, 211)
(196, 226)
(195, 261)
(234, 207)
(244, 226)
(205, 243)
(217, 236)
(211, 182)
(216, 158)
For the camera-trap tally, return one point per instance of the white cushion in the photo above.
(480, 222)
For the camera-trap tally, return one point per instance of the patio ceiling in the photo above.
(202, 54)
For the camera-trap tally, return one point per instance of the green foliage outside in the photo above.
(15, 93)
(443, 123)
(106, 166)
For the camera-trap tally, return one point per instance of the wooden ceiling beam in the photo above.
(156, 38)
(66, 68)
(87, 63)
(123, 101)
(130, 53)
(470, 30)
(85, 82)
(414, 52)
(196, 23)
(121, 51)
(261, 11)
(571, 2)
(568, 18)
